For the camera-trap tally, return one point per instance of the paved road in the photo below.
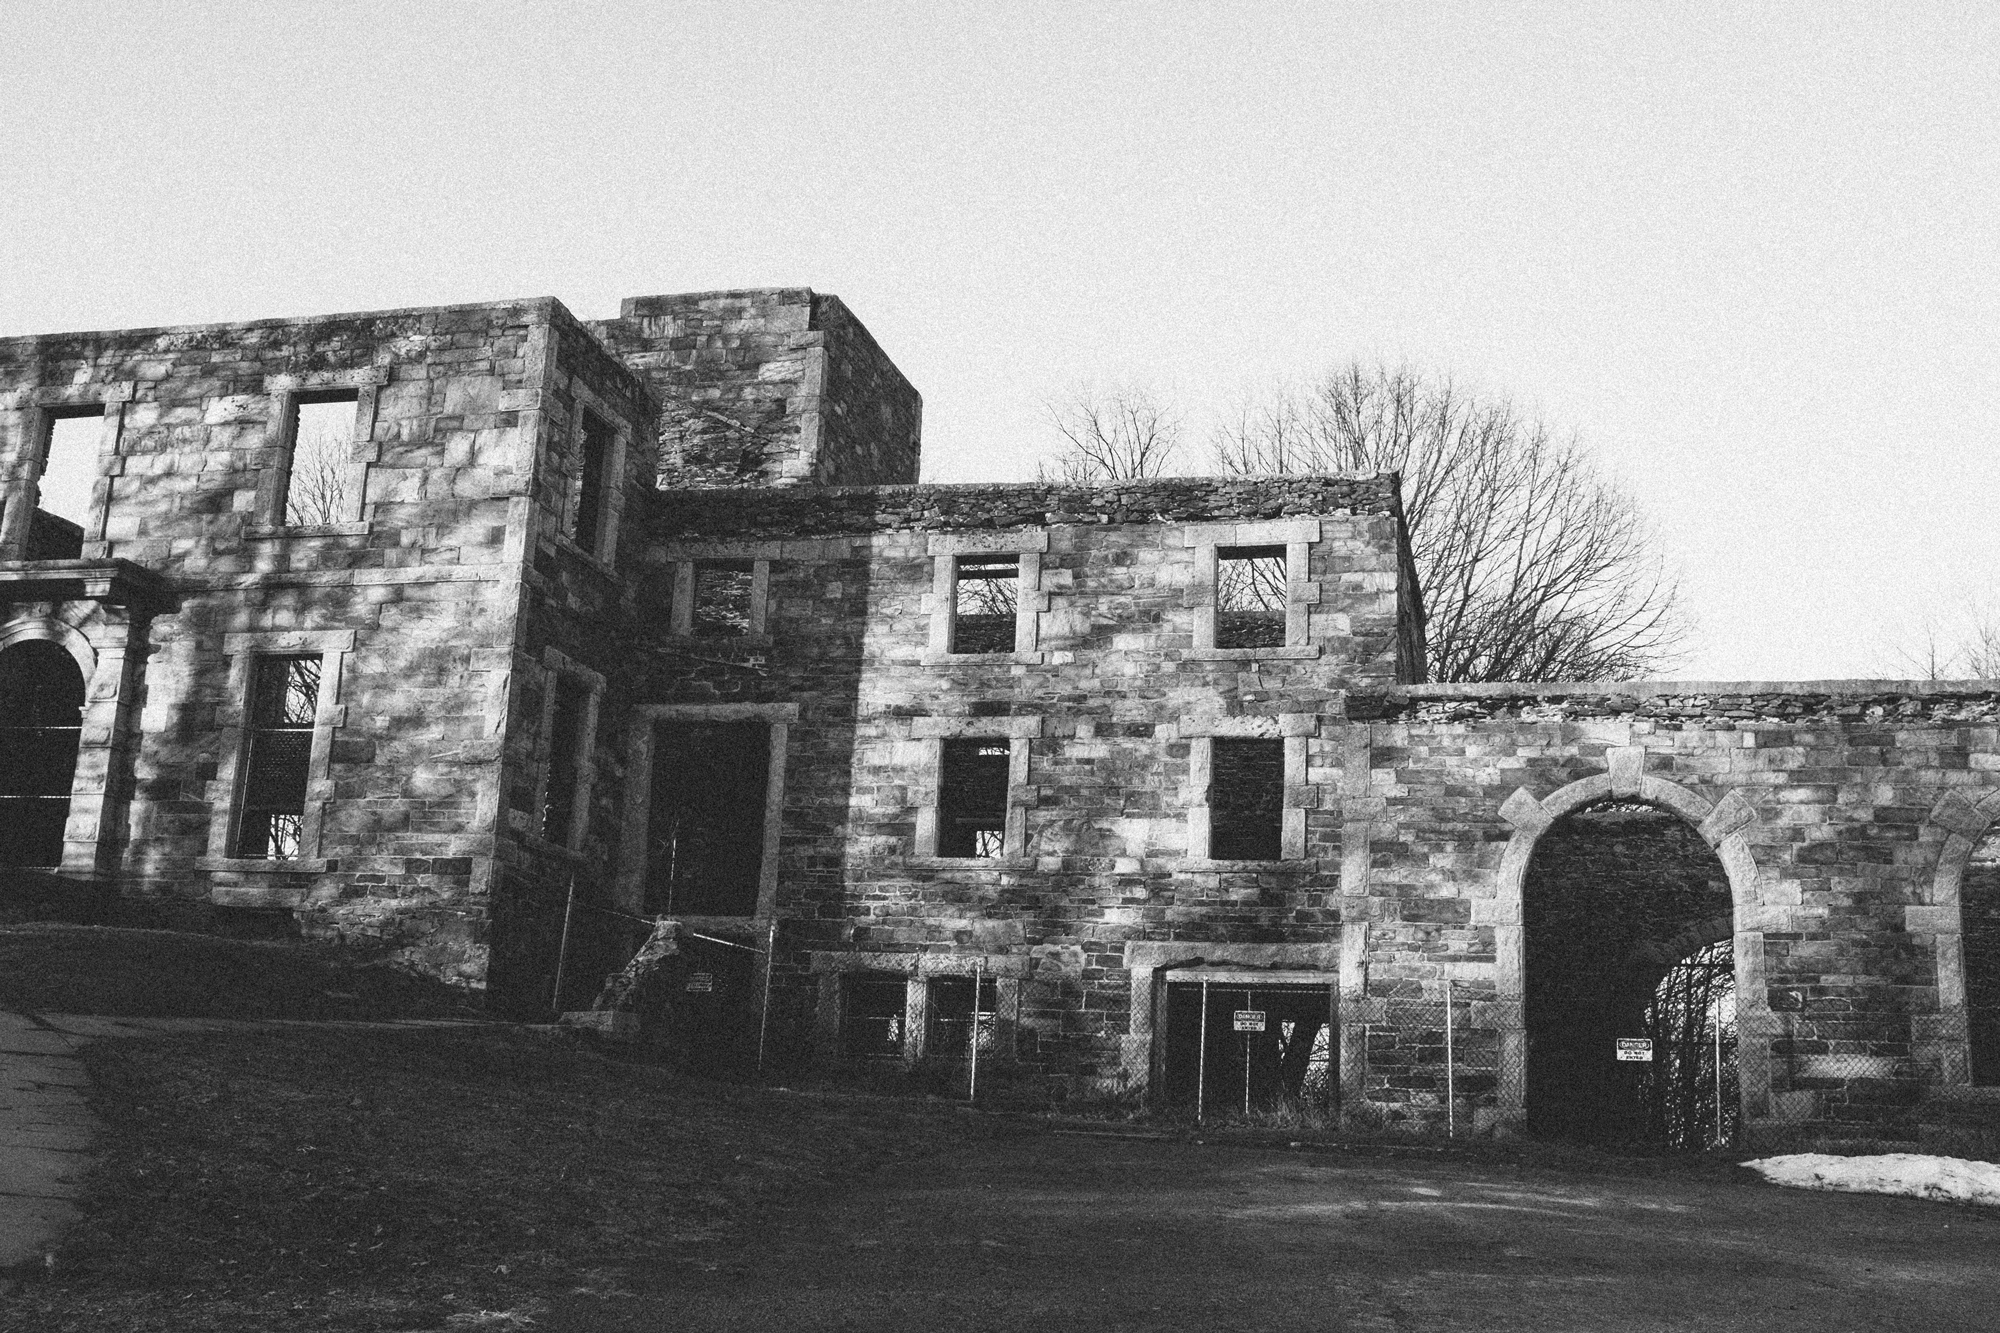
(1064, 1233)
(45, 1135)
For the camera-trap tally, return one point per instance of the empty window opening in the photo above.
(1617, 897)
(873, 1016)
(954, 1018)
(972, 806)
(1246, 800)
(566, 752)
(1285, 1065)
(284, 701)
(322, 435)
(986, 601)
(705, 836)
(1979, 924)
(591, 490)
(41, 714)
(722, 598)
(1689, 1086)
(1250, 597)
(69, 468)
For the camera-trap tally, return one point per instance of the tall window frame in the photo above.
(1018, 734)
(1295, 731)
(779, 718)
(34, 418)
(565, 782)
(289, 393)
(1210, 544)
(244, 652)
(953, 552)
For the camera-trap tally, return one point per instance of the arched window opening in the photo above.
(41, 716)
(1615, 895)
(1979, 924)
(1689, 1087)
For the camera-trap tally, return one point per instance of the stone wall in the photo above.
(768, 387)
(411, 599)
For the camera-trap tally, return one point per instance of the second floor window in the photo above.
(972, 811)
(321, 432)
(722, 590)
(284, 702)
(986, 603)
(1250, 597)
(1246, 800)
(592, 484)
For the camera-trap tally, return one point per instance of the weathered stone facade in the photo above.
(524, 645)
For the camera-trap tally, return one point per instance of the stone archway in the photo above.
(1722, 826)
(1943, 1044)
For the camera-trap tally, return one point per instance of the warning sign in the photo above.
(1249, 1020)
(702, 982)
(1635, 1048)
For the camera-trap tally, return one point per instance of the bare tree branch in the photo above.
(1533, 567)
(1116, 435)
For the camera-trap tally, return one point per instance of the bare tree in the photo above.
(1116, 435)
(1532, 565)
(1965, 647)
(317, 491)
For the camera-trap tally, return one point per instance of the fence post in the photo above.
(1201, 1061)
(562, 950)
(764, 1010)
(978, 975)
(1450, 1071)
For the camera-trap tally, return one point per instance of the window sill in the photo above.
(536, 842)
(721, 641)
(258, 865)
(983, 659)
(1202, 864)
(602, 564)
(1304, 652)
(969, 863)
(271, 532)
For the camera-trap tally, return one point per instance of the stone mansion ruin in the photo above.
(407, 622)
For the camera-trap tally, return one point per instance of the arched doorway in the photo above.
(41, 716)
(1625, 915)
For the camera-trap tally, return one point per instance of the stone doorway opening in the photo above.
(1279, 1061)
(1627, 924)
(41, 721)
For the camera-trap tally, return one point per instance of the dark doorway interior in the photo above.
(1289, 1063)
(706, 835)
(1979, 920)
(41, 716)
(1617, 895)
(715, 1014)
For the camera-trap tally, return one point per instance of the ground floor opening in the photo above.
(1240, 1045)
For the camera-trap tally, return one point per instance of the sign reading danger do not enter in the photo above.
(701, 982)
(1249, 1020)
(1635, 1048)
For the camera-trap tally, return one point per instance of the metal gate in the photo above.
(1236, 1047)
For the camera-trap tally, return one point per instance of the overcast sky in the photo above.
(1747, 251)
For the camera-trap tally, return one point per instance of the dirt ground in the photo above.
(1054, 1232)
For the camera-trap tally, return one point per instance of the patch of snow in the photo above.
(1918, 1175)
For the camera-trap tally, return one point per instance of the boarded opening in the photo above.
(873, 1015)
(284, 700)
(972, 806)
(1616, 897)
(985, 599)
(41, 712)
(1250, 597)
(722, 598)
(1288, 1065)
(322, 430)
(706, 832)
(1246, 800)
